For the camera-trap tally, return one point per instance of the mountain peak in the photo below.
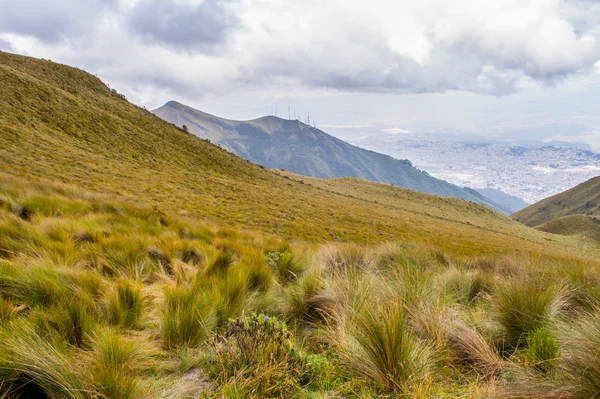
(298, 147)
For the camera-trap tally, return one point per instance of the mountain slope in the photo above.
(574, 225)
(294, 146)
(59, 123)
(507, 202)
(583, 199)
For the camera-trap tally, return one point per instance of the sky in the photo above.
(496, 68)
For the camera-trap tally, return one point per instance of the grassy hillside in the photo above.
(62, 124)
(583, 199)
(297, 147)
(574, 225)
(102, 299)
(169, 268)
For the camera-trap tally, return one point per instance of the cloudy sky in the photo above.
(500, 68)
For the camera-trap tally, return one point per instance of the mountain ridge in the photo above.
(300, 148)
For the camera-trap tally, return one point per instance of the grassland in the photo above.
(102, 299)
(137, 261)
(62, 124)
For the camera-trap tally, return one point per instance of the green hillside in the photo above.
(63, 124)
(574, 225)
(583, 199)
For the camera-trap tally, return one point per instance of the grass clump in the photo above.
(125, 305)
(524, 307)
(74, 321)
(384, 350)
(582, 343)
(188, 316)
(286, 266)
(32, 363)
(115, 362)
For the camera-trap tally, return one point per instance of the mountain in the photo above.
(583, 199)
(297, 147)
(61, 124)
(508, 203)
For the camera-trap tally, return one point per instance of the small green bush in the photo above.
(542, 350)
(257, 353)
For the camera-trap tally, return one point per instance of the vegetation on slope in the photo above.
(100, 299)
(60, 123)
(574, 225)
(583, 199)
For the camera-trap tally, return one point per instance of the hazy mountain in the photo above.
(297, 147)
(583, 199)
(508, 203)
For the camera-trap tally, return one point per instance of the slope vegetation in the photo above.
(294, 146)
(102, 299)
(62, 124)
(574, 225)
(583, 199)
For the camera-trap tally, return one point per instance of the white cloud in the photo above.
(396, 130)
(349, 55)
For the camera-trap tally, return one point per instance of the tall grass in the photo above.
(114, 364)
(522, 307)
(188, 315)
(31, 361)
(125, 305)
(582, 343)
(384, 350)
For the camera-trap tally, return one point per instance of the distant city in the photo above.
(531, 172)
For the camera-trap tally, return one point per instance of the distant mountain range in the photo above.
(297, 147)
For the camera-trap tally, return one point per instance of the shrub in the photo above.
(125, 305)
(188, 315)
(542, 350)
(257, 353)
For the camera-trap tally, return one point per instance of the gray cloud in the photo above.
(53, 21)
(187, 27)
